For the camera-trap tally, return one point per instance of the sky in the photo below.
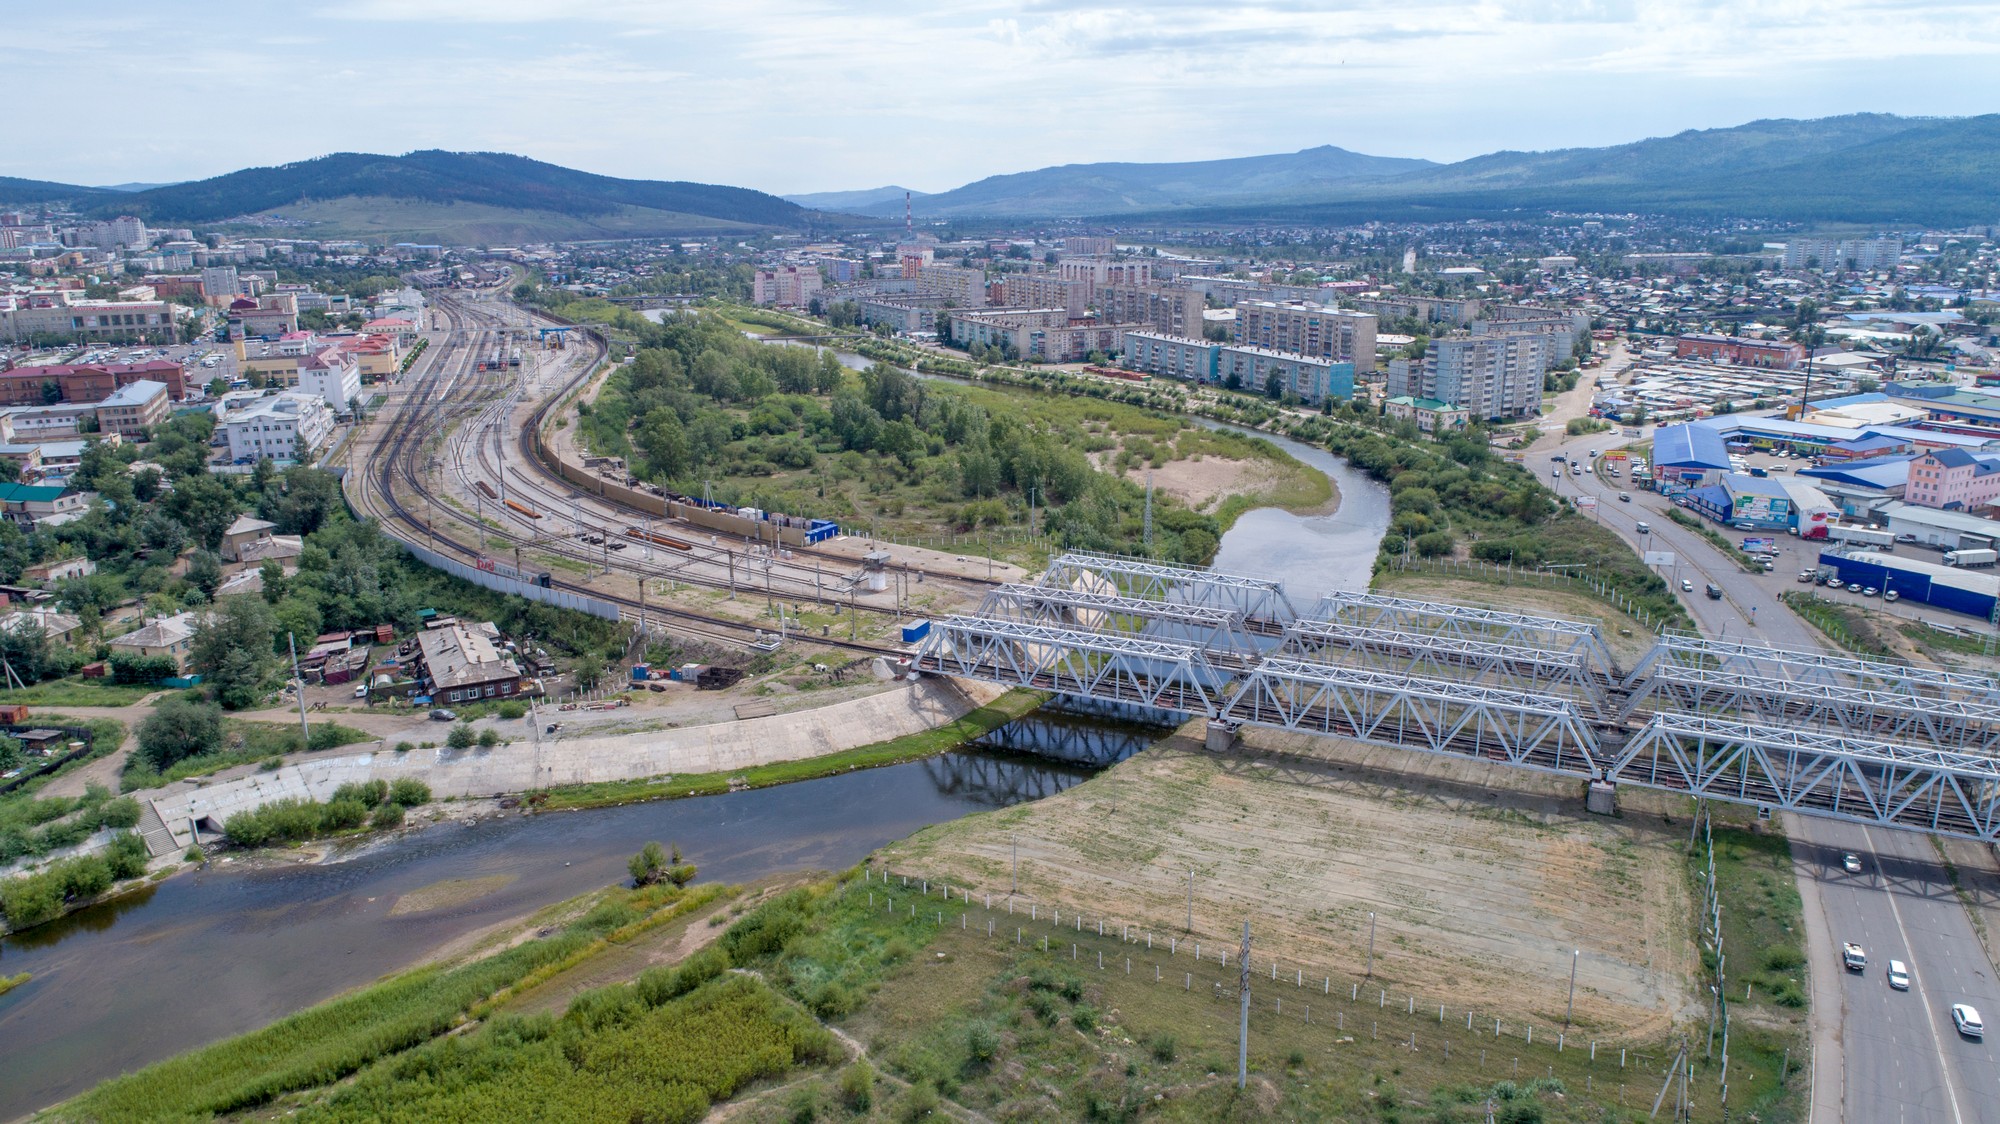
(795, 95)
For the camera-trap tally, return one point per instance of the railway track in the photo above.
(449, 388)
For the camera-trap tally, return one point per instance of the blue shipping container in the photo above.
(914, 631)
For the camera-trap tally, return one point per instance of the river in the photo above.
(226, 950)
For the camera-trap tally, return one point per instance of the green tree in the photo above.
(649, 865)
(204, 572)
(179, 728)
(461, 737)
(232, 650)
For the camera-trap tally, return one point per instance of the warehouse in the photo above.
(1960, 591)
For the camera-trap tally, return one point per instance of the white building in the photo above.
(221, 281)
(332, 374)
(1488, 376)
(285, 427)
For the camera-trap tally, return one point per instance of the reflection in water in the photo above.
(228, 949)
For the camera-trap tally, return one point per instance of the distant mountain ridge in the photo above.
(1078, 189)
(851, 202)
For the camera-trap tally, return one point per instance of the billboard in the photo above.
(1659, 558)
(1763, 542)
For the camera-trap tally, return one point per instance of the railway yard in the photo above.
(451, 464)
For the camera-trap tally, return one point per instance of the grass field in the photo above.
(77, 691)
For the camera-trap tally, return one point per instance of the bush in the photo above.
(127, 856)
(461, 737)
(409, 792)
(1164, 1047)
(179, 727)
(511, 710)
(342, 814)
(921, 1101)
(387, 816)
(857, 1087)
(404, 747)
(369, 793)
(489, 737)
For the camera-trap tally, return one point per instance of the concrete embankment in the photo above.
(523, 766)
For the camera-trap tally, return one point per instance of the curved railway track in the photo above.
(449, 388)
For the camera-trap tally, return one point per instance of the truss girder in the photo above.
(1442, 618)
(1888, 783)
(1211, 628)
(1438, 716)
(1109, 666)
(1680, 649)
(1486, 662)
(1255, 598)
(1959, 723)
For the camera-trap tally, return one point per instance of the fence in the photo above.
(503, 583)
(1346, 1006)
(1546, 579)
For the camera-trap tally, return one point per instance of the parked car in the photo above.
(443, 715)
(1965, 1017)
(1806, 576)
(1890, 595)
(361, 690)
(1870, 591)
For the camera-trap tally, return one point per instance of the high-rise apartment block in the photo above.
(1490, 376)
(1164, 309)
(1096, 273)
(962, 287)
(1084, 245)
(791, 286)
(1843, 253)
(1045, 290)
(1308, 329)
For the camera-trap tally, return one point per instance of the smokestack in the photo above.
(909, 224)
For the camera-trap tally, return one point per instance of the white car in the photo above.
(1899, 975)
(1965, 1017)
(1851, 863)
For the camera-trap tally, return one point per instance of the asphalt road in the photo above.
(1885, 1055)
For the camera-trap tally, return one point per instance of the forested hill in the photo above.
(441, 191)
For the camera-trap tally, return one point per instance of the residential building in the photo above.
(46, 423)
(34, 505)
(1779, 355)
(54, 625)
(220, 284)
(1036, 333)
(1843, 254)
(1490, 376)
(462, 663)
(1431, 415)
(1089, 245)
(1456, 311)
(1169, 311)
(789, 286)
(962, 287)
(1316, 330)
(289, 426)
(1097, 272)
(332, 374)
(122, 233)
(908, 314)
(1954, 480)
(1310, 379)
(1044, 290)
(171, 637)
(49, 573)
(133, 408)
(1178, 357)
(249, 539)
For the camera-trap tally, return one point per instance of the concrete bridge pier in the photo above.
(1222, 735)
(1602, 799)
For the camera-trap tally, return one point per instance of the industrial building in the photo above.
(1947, 587)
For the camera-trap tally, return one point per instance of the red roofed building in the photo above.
(88, 382)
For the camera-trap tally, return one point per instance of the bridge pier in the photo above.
(1602, 799)
(1222, 735)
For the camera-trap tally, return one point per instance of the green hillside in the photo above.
(20, 191)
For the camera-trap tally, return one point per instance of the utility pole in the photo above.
(1243, 1012)
(299, 686)
(1370, 973)
(1571, 1008)
(1190, 896)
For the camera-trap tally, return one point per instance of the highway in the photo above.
(1882, 1055)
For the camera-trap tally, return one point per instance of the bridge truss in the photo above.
(1821, 734)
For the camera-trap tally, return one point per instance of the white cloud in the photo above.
(807, 94)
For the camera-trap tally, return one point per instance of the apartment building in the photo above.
(133, 408)
(1489, 376)
(220, 283)
(1308, 329)
(1089, 245)
(290, 426)
(275, 314)
(1045, 290)
(1036, 333)
(907, 314)
(962, 287)
(1169, 311)
(1456, 311)
(789, 286)
(1097, 272)
(1843, 253)
(1251, 368)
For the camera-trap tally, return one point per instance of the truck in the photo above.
(1971, 558)
(1860, 536)
(1852, 956)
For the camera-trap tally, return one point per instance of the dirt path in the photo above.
(1482, 880)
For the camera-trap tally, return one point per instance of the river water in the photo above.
(216, 953)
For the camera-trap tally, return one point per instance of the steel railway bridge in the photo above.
(1820, 734)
